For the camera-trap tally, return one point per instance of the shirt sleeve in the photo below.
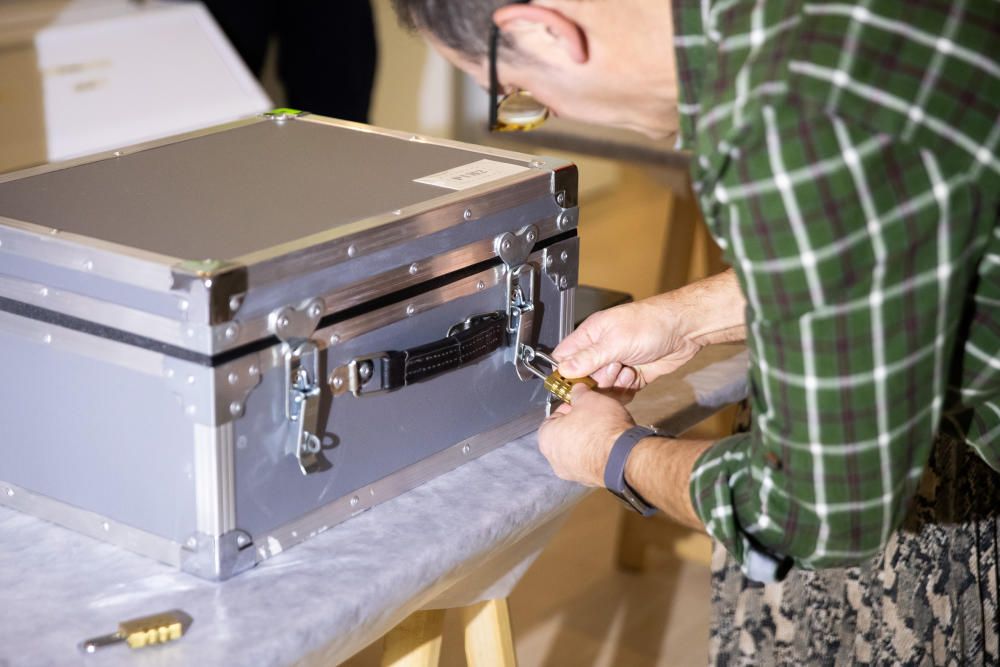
(853, 250)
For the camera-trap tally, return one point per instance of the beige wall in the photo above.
(415, 88)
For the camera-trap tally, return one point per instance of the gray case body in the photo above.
(156, 306)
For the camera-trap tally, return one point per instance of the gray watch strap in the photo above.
(614, 470)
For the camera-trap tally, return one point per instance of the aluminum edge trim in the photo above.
(444, 211)
(121, 354)
(358, 326)
(386, 283)
(161, 273)
(156, 327)
(274, 541)
(343, 331)
(205, 394)
(90, 524)
(154, 363)
(567, 311)
(215, 493)
(87, 255)
(128, 150)
(548, 163)
(208, 340)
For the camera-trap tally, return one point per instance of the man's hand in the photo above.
(625, 347)
(630, 346)
(577, 440)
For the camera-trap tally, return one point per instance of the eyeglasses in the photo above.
(517, 111)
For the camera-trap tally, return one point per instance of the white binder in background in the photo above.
(84, 76)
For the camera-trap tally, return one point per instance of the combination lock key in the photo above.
(142, 632)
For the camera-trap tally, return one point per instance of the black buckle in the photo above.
(475, 321)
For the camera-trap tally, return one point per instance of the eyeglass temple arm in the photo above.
(494, 81)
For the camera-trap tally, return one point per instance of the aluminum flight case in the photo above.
(219, 344)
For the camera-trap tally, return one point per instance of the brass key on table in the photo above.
(142, 632)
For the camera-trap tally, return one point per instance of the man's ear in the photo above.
(566, 34)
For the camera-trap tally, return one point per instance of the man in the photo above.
(847, 163)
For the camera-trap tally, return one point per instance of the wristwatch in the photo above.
(614, 470)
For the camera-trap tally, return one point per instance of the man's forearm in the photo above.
(711, 310)
(660, 470)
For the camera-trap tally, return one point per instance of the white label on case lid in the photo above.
(471, 175)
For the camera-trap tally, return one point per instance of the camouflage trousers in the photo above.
(929, 598)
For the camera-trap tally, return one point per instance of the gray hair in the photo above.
(464, 25)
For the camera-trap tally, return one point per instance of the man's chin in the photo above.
(658, 134)
(655, 133)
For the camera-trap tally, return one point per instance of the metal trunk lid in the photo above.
(202, 244)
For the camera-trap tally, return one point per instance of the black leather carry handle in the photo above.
(470, 341)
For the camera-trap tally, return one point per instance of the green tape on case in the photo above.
(285, 112)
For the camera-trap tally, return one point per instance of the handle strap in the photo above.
(465, 343)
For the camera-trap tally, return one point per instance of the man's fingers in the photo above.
(562, 410)
(573, 343)
(626, 378)
(586, 399)
(606, 376)
(583, 363)
(582, 394)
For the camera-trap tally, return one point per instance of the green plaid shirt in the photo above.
(848, 165)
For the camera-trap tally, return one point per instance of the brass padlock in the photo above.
(562, 387)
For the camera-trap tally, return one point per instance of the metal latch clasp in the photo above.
(521, 315)
(529, 355)
(514, 249)
(362, 375)
(302, 403)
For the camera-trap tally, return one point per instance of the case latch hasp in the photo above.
(521, 316)
(302, 403)
(514, 250)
